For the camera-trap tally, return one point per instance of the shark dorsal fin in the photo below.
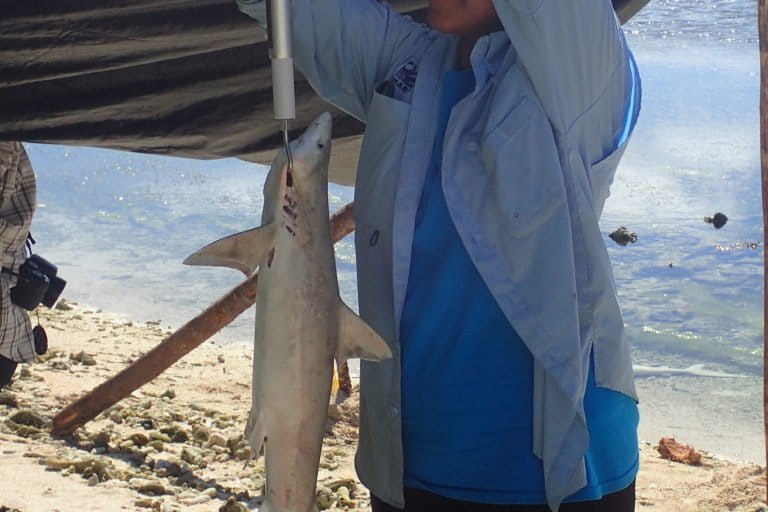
(242, 251)
(357, 339)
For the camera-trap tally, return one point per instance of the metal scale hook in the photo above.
(280, 34)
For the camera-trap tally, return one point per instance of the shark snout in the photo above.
(312, 150)
(319, 132)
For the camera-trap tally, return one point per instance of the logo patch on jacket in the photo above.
(400, 87)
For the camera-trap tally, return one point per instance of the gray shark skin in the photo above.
(301, 322)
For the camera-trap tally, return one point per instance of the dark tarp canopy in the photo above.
(182, 77)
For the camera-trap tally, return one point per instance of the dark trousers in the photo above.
(423, 501)
(7, 369)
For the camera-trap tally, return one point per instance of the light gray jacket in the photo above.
(528, 161)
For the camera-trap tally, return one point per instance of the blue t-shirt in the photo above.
(467, 379)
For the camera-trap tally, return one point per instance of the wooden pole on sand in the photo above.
(178, 344)
(762, 31)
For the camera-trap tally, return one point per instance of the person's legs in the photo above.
(7, 369)
(621, 501)
(419, 501)
(379, 506)
(422, 501)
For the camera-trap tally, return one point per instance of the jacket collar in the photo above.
(487, 57)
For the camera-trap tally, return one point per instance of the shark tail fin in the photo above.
(357, 339)
(266, 506)
(241, 251)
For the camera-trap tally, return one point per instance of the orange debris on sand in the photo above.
(677, 452)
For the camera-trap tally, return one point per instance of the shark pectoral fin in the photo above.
(357, 339)
(241, 251)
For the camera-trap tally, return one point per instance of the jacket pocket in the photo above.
(523, 177)
(384, 106)
(381, 151)
(601, 175)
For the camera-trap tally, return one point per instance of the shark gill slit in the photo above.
(289, 211)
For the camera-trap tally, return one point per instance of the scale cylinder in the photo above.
(281, 55)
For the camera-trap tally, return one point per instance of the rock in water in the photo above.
(623, 236)
(718, 220)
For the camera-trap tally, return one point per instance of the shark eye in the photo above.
(320, 145)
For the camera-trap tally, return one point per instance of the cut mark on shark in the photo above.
(289, 214)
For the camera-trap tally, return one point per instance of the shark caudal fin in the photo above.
(357, 339)
(266, 506)
(241, 251)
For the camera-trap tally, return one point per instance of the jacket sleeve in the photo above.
(574, 53)
(345, 47)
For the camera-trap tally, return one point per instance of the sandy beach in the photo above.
(176, 444)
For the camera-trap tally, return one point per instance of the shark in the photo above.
(302, 325)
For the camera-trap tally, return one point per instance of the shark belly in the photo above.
(295, 343)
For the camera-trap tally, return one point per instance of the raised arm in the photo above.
(574, 53)
(345, 47)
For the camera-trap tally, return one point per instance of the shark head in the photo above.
(308, 179)
(298, 193)
(311, 152)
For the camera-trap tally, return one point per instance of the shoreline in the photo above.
(722, 414)
(176, 443)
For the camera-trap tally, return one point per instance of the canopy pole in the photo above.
(762, 31)
(174, 347)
